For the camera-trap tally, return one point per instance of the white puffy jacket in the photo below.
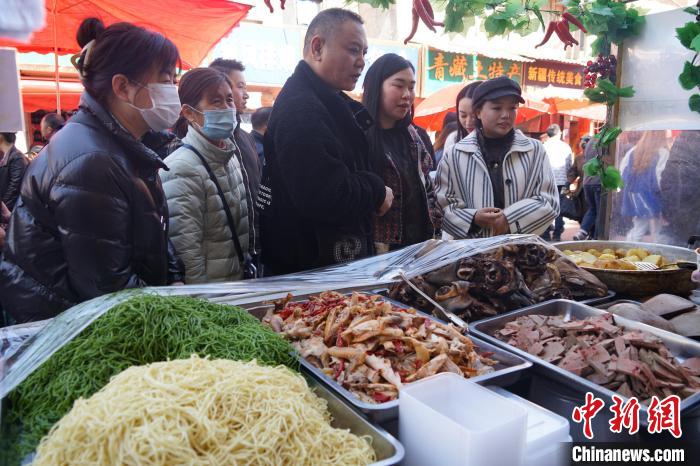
(198, 225)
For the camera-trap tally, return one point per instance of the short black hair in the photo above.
(9, 137)
(260, 117)
(226, 65)
(326, 22)
(54, 120)
(553, 130)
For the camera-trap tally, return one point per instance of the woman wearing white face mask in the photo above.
(92, 218)
(205, 188)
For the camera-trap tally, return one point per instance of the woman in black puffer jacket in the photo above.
(92, 218)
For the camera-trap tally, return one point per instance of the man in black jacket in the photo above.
(318, 196)
(13, 164)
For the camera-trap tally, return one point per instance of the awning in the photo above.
(41, 95)
(195, 26)
(430, 113)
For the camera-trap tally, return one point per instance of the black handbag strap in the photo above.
(227, 210)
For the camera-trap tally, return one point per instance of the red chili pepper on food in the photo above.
(380, 397)
(550, 29)
(339, 339)
(339, 369)
(574, 20)
(399, 346)
(286, 312)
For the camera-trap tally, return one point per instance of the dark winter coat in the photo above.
(318, 195)
(91, 220)
(390, 229)
(12, 168)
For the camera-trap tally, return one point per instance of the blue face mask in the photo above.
(218, 124)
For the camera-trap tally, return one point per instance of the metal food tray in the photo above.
(682, 348)
(590, 301)
(595, 301)
(507, 370)
(389, 451)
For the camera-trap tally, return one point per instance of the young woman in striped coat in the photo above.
(496, 180)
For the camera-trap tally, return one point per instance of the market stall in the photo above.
(359, 346)
(491, 351)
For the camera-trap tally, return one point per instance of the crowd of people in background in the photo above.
(155, 183)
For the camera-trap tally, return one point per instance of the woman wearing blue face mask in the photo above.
(91, 218)
(205, 188)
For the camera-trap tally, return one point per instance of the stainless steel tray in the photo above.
(607, 305)
(682, 348)
(507, 371)
(595, 301)
(388, 450)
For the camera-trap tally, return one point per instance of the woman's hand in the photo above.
(486, 217)
(500, 224)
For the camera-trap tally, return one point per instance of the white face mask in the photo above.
(165, 109)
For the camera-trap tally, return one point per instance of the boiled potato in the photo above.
(568, 252)
(620, 253)
(607, 256)
(608, 251)
(621, 264)
(595, 252)
(632, 258)
(639, 252)
(655, 259)
(587, 257)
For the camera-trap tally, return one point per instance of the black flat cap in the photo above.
(495, 89)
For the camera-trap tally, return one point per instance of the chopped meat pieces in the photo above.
(631, 362)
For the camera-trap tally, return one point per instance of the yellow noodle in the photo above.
(201, 412)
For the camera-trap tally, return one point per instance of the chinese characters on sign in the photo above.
(542, 73)
(662, 415)
(446, 68)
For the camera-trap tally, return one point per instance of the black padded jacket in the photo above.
(91, 219)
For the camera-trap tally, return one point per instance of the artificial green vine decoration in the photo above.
(612, 22)
(689, 36)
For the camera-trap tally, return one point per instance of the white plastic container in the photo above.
(545, 433)
(445, 420)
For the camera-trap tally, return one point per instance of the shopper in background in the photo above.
(13, 164)
(496, 180)
(449, 130)
(209, 227)
(465, 115)
(680, 190)
(641, 196)
(50, 125)
(245, 143)
(4, 222)
(560, 159)
(319, 195)
(591, 192)
(398, 154)
(92, 218)
(259, 121)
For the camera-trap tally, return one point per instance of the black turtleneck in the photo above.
(494, 151)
